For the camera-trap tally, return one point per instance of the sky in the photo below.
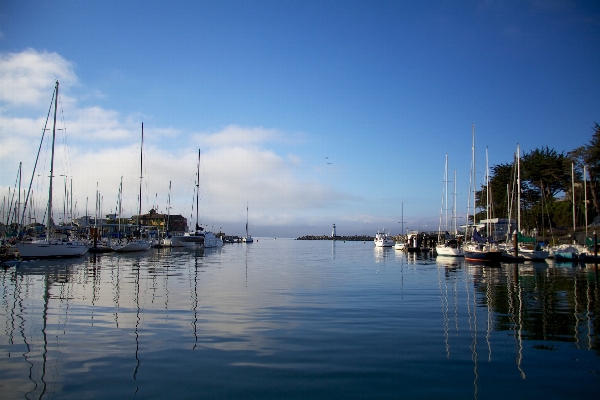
(309, 113)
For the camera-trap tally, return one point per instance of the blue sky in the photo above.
(312, 112)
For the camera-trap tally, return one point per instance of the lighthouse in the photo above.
(333, 234)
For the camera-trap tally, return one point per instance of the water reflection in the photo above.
(281, 310)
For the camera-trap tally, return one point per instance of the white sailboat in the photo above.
(138, 244)
(524, 250)
(448, 246)
(49, 247)
(401, 244)
(196, 238)
(247, 238)
(164, 239)
(480, 248)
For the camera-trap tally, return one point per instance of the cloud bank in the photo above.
(96, 147)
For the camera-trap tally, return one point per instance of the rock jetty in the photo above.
(356, 238)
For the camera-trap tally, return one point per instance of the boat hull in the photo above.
(210, 240)
(449, 251)
(51, 249)
(134, 245)
(484, 256)
(190, 241)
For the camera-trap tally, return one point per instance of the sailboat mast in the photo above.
(402, 219)
(473, 173)
(519, 188)
(246, 219)
(446, 190)
(197, 190)
(141, 176)
(585, 200)
(169, 207)
(487, 192)
(454, 206)
(49, 214)
(573, 191)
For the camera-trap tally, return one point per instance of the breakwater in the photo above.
(355, 238)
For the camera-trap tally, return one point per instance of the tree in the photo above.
(589, 155)
(546, 171)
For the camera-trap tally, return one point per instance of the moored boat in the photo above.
(51, 247)
(383, 239)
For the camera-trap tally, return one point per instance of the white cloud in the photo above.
(238, 166)
(26, 78)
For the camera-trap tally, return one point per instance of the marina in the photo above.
(297, 319)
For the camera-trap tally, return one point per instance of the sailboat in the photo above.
(401, 244)
(528, 252)
(98, 247)
(449, 246)
(49, 247)
(570, 252)
(247, 238)
(164, 239)
(196, 238)
(138, 244)
(480, 248)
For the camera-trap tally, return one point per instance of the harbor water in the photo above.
(290, 319)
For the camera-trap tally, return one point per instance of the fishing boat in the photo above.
(51, 247)
(383, 239)
(247, 238)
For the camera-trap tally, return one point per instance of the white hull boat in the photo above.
(248, 238)
(449, 251)
(51, 249)
(400, 246)
(383, 239)
(132, 245)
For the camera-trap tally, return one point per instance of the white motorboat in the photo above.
(49, 247)
(383, 239)
(401, 245)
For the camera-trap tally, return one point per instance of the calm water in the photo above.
(297, 319)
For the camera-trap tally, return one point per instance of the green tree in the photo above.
(546, 171)
(589, 155)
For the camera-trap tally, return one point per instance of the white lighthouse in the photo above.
(333, 234)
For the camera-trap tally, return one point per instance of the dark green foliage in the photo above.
(589, 155)
(546, 170)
